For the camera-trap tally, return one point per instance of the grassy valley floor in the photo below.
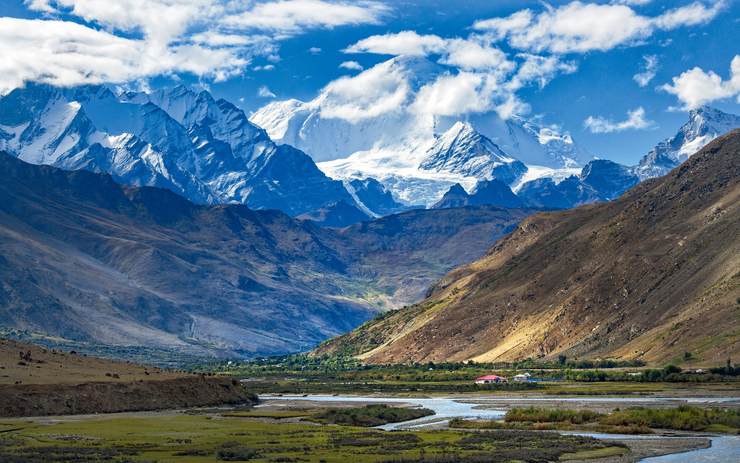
(222, 436)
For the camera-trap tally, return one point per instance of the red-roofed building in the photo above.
(490, 379)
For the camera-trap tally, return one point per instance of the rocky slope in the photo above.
(84, 258)
(651, 275)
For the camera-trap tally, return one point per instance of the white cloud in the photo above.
(473, 55)
(540, 70)
(469, 54)
(631, 2)
(66, 53)
(265, 92)
(382, 89)
(402, 43)
(314, 50)
(648, 71)
(128, 40)
(689, 15)
(466, 92)
(352, 66)
(635, 120)
(696, 87)
(483, 77)
(266, 67)
(581, 27)
(294, 16)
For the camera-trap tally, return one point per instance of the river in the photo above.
(723, 449)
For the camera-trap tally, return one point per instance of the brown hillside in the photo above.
(37, 381)
(651, 275)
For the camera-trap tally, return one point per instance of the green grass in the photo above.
(594, 454)
(545, 415)
(370, 415)
(637, 420)
(684, 418)
(210, 438)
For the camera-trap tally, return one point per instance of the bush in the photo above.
(233, 451)
(370, 415)
(684, 418)
(543, 415)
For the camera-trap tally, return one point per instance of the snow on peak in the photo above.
(366, 125)
(704, 125)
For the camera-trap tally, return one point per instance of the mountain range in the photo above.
(651, 275)
(201, 148)
(419, 157)
(209, 151)
(85, 258)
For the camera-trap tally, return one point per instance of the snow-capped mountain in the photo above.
(417, 155)
(487, 193)
(462, 150)
(188, 142)
(704, 125)
(599, 180)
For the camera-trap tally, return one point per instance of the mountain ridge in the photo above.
(650, 275)
(87, 259)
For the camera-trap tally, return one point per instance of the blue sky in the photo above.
(294, 48)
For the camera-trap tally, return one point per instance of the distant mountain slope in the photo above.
(704, 125)
(84, 258)
(486, 193)
(599, 180)
(187, 142)
(651, 275)
(339, 214)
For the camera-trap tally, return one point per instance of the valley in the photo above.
(88, 260)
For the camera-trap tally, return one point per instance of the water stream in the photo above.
(723, 449)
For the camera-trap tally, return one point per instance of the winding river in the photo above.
(723, 448)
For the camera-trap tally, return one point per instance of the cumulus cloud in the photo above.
(265, 92)
(294, 16)
(581, 27)
(352, 66)
(697, 87)
(472, 53)
(314, 50)
(649, 69)
(130, 40)
(482, 77)
(382, 89)
(540, 70)
(65, 53)
(635, 120)
(402, 43)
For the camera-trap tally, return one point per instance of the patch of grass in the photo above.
(545, 415)
(684, 418)
(594, 454)
(370, 415)
(234, 451)
(272, 414)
